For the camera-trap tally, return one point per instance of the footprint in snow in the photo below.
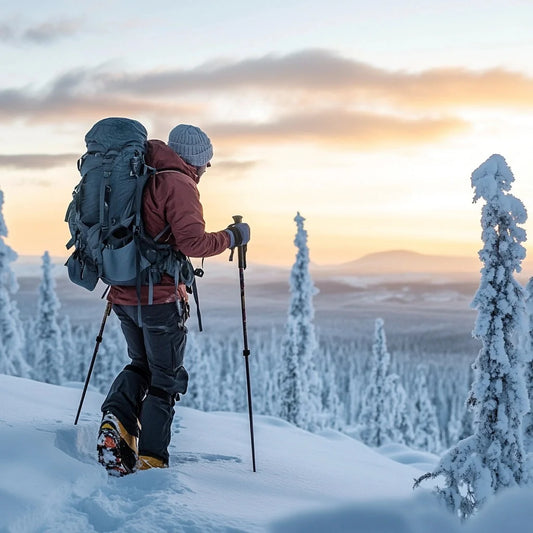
(191, 457)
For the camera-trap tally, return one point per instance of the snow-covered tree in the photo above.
(528, 344)
(49, 356)
(265, 371)
(467, 420)
(425, 423)
(300, 394)
(383, 414)
(493, 457)
(401, 429)
(375, 419)
(232, 386)
(70, 352)
(202, 379)
(354, 396)
(332, 408)
(12, 359)
(112, 355)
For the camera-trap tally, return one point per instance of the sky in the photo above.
(368, 118)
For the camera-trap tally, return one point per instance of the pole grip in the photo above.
(237, 219)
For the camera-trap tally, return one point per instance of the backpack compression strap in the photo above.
(141, 172)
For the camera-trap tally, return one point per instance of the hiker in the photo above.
(138, 411)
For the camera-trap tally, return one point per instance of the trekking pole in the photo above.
(107, 312)
(246, 352)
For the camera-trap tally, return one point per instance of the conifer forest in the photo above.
(424, 386)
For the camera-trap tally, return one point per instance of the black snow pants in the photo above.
(144, 393)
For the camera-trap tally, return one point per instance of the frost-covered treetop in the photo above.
(300, 281)
(489, 182)
(502, 210)
(46, 260)
(492, 176)
(300, 240)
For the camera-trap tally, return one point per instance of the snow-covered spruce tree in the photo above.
(49, 356)
(232, 387)
(451, 385)
(12, 360)
(425, 422)
(467, 420)
(355, 392)
(383, 415)
(70, 352)
(84, 343)
(112, 355)
(528, 344)
(493, 457)
(203, 368)
(300, 394)
(333, 415)
(264, 372)
(402, 428)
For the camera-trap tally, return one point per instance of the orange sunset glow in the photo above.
(367, 119)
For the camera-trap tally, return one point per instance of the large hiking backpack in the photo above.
(105, 218)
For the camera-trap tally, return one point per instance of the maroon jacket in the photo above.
(172, 197)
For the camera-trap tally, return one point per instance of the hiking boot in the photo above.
(117, 449)
(146, 462)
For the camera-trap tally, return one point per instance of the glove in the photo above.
(239, 234)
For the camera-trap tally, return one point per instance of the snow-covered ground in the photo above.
(50, 480)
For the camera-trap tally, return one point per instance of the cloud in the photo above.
(307, 76)
(37, 161)
(233, 169)
(325, 73)
(51, 31)
(79, 95)
(306, 69)
(66, 107)
(337, 128)
(339, 100)
(43, 33)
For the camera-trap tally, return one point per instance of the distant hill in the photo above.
(405, 261)
(395, 262)
(400, 263)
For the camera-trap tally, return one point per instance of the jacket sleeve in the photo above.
(184, 213)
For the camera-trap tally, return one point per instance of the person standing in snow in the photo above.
(138, 411)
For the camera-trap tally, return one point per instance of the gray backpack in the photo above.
(105, 219)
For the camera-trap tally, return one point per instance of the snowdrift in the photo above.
(51, 481)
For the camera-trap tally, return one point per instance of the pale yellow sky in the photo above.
(368, 118)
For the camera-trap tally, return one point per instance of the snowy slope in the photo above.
(50, 480)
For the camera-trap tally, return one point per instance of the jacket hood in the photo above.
(160, 156)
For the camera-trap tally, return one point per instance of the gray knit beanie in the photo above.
(192, 144)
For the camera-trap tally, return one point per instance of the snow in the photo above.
(51, 480)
